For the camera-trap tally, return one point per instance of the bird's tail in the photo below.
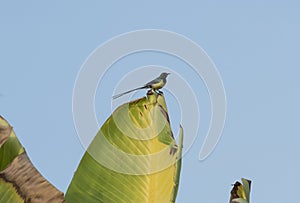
(119, 95)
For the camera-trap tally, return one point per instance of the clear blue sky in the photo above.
(255, 46)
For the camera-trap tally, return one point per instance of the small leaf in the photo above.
(247, 187)
(241, 192)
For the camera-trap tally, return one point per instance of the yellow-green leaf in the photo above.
(133, 158)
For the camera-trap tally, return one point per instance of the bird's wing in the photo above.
(156, 80)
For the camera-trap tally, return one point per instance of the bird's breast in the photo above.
(158, 85)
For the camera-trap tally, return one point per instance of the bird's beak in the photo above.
(168, 73)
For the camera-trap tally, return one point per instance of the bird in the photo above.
(154, 85)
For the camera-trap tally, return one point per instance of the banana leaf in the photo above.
(133, 158)
(19, 180)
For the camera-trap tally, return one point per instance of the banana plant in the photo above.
(133, 158)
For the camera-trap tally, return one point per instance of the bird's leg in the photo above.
(158, 92)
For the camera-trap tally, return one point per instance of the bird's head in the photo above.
(164, 75)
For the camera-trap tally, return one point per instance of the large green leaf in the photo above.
(132, 159)
(19, 180)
